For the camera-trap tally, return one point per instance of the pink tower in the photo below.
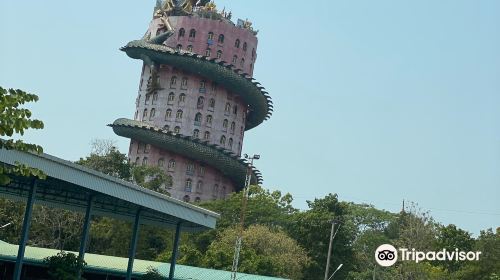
(196, 99)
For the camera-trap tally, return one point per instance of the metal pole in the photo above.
(175, 251)
(26, 228)
(133, 245)
(85, 232)
(237, 249)
(329, 251)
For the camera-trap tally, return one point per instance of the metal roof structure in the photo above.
(77, 188)
(68, 186)
(117, 266)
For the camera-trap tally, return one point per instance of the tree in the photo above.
(311, 229)
(16, 120)
(451, 238)
(264, 207)
(64, 266)
(265, 251)
(106, 158)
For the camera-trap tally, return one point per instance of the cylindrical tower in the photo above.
(196, 99)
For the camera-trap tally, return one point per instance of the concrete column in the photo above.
(85, 231)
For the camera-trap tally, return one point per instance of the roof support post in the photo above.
(133, 244)
(175, 251)
(85, 233)
(25, 232)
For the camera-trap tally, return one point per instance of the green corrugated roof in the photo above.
(118, 266)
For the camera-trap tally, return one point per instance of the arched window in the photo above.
(182, 31)
(219, 54)
(197, 119)
(146, 100)
(140, 147)
(166, 128)
(223, 140)
(145, 114)
(177, 129)
(179, 47)
(196, 133)
(155, 99)
(211, 103)
(197, 199)
(237, 43)
(168, 114)
(242, 62)
(215, 190)
(230, 143)
(235, 109)
(201, 101)
(190, 169)
(203, 84)
(190, 48)
(221, 39)
(209, 119)
(224, 124)
(161, 162)
(173, 81)
(208, 52)
(186, 198)
(245, 46)
(184, 82)
(152, 114)
(202, 170)
(137, 159)
(178, 116)
(145, 161)
(199, 187)
(233, 125)
(210, 35)
(206, 136)
(228, 108)
(171, 164)
(188, 186)
(235, 58)
(192, 33)
(182, 97)
(171, 98)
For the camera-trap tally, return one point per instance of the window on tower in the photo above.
(168, 114)
(178, 48)
(211, 104)
(152, 114)
(245, 46)
(145, 114)
(221, 39)
(209, 120)
(190, 48)
(171, 164)
(173, 82)
(222, 140)
(201, 101)
(210, 35)
(182, 98)
(155, 99)
(197, 119)
(192, 33)
(178, 116)
(235, 58)
(219, 54)
(184, 83)
(208, 52)
(188, 186)
(224, 125)
(182, 31)
(206, 136)
(177, 129)
(237, 43)
(171, 98)
(196, 133)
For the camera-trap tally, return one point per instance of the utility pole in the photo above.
(329, 250)
(237, 247)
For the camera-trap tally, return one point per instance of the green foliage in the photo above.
(64, 266)
(153, 274)
(451, 238)
(153, 178)
(16, 120)
(264, 252)
(105, 158)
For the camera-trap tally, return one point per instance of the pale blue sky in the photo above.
(378, 101)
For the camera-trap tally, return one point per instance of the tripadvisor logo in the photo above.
(387, 255)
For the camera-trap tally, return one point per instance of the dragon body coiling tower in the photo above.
(196, 99)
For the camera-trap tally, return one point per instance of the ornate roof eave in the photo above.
(228, 163)
(251, 92)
